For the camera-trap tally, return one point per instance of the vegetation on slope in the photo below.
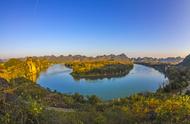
(186, 62)
(24, 102)
(179, 78)
(178, 75)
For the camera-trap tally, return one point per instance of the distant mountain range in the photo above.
(172, 60)
(85, 58)
(62, 58)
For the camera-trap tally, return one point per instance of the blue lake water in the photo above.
(140, 79)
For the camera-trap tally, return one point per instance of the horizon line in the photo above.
(25, 56)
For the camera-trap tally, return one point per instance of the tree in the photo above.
(93, 100)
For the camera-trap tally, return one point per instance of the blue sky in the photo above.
(156, 28)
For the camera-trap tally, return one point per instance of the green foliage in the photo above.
(13, 62)
(93, 100)
(100, 119)
(28, 103)
(92, 69)
(78, 98)
(176, 109)
(30, 68)
(186, 61)
(179, 78)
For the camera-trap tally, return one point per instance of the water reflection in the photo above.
(140, 79)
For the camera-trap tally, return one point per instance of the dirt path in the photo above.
(60, 109)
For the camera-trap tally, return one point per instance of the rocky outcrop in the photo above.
(31, 69)
(34, 66)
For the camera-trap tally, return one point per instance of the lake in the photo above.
(140, 79)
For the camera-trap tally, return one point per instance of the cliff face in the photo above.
(34, 66)
(30, 69)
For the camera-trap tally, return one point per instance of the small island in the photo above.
(99, 69)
